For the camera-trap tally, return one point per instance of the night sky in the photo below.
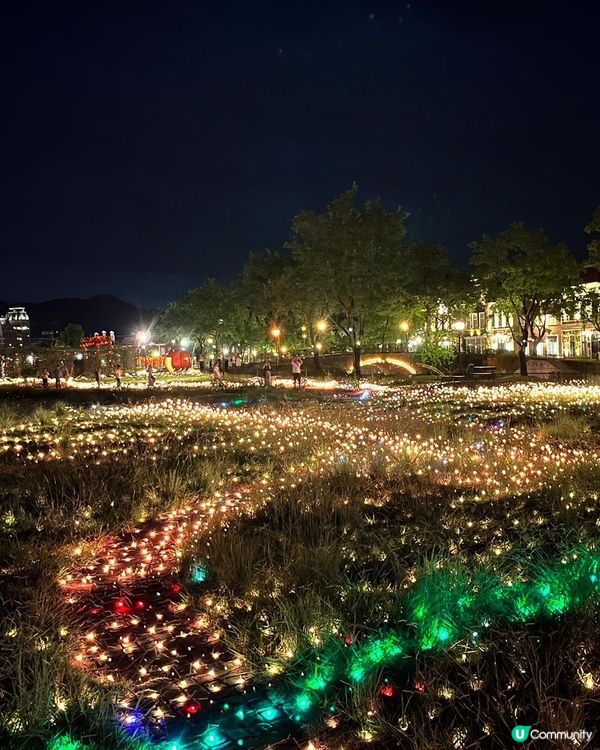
(147, 146)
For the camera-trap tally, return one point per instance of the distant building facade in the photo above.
(15, 330)
(488, 330)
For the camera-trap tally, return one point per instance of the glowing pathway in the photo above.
(137, 629)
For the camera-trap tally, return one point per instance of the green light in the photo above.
(558, 603)
(316, 683)
(240, 714)
(357, 673)
(443, 634)
(269, 714)
(303, 702)
(64, 742)
(420, 612)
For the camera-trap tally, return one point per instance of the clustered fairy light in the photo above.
(137, 630)
(448, 607)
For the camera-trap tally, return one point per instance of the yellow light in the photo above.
(404, 326)
(322, 326)
(275, 332)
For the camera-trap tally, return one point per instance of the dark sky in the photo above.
(146, 146)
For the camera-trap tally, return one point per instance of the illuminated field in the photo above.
(356, 539)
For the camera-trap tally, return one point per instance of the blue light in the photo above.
(269, 713)
(199, 572)
(212, 737)
(132, 721)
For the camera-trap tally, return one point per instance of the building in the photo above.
(15, 331)
(489, 331)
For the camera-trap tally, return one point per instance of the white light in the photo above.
(185, 342)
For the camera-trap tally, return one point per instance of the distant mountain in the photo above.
(101, 313)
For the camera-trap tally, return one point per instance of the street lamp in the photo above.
(404, 328)
(276, 333)
(459, 327)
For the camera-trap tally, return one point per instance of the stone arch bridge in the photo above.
(379, 362)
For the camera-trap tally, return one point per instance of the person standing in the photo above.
(97, 377)
(217, 374)
(118, 375)
(267, 373)
(45, 379)
(64, 372)
(297, 363)
(57, 378)
(238, 360)
(201, 363)
(151, 377)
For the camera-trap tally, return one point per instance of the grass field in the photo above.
(412, 567)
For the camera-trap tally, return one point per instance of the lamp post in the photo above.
(459, 327)
(276, 333)
(404, 328)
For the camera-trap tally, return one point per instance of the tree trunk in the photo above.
(522, 361)
(356, 359)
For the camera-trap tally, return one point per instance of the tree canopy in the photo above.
(348, 278)
(526, 277)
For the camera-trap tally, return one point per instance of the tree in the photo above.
(351, 257)
(302, 307)
(594, 246)
(207, 312)
(259, 293)
(587, 303)
(437, 294)
(72, 335)
(526, 278)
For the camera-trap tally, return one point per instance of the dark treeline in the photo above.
(348, 279)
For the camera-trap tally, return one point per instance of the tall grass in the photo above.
(566, 427)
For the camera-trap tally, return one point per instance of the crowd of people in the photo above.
(217, 367)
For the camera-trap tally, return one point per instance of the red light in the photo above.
(387, 691)
(191, 707)
(122, 606)
(140, 605)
